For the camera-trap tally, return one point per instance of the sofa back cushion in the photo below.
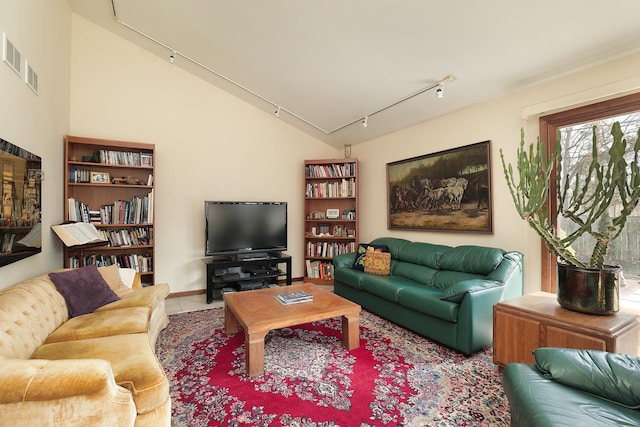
(394, 245)
(425, 254)
(29, 312)
(472, 259)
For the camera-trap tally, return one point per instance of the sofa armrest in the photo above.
(475, 312)
(611, 376)
(456, 292)
(33, 391)
(344, 260)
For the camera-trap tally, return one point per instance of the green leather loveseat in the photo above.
(568, 387)
(441, 292)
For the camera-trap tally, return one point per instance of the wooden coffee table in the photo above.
(259, 312)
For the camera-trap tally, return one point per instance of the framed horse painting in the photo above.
(444, 191)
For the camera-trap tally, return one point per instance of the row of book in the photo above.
(329, 249)
(138, 210)
(319, 270)
(330, 170)
(344, 188)
(79, 175)
(126, 158)
(141, 263)
(138, 236)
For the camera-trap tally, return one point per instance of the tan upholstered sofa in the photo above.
(95, 369)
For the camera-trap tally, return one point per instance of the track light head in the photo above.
(440, 91)
(277, 112)
(365, 122)
(172, 57)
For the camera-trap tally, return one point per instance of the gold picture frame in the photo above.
(445, 191)
(100, 178)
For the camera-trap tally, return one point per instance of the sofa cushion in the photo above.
(132, 359)
(425, 254)
(83, 289)
(361, 253)
(472, 259)
(418, 273)
(611, 376)
(387, 287)
(349, 276)
(394, 244)
(132, 320)
(111, 275)
(151, 296)
(426, 300)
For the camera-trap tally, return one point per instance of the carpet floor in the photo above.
(395, 378)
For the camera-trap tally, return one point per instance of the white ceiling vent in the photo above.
(11, 55)
(30, 77)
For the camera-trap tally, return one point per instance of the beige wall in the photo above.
(499, 121)
(41, 31)
(209, 144)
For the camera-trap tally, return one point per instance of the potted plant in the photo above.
(597, 202)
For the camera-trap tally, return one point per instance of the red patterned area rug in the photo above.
(395, 378)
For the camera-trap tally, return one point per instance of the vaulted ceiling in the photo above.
(329, 64)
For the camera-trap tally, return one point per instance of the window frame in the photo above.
(549, 126)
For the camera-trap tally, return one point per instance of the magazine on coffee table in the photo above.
(294, 297)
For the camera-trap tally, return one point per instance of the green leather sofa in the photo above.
(568, 387)
(441, 292)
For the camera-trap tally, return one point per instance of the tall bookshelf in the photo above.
(111, 184)
(331, 215)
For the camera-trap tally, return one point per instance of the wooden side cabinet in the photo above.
(521, 325)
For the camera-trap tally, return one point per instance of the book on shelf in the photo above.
(294, 297)
(78, 233)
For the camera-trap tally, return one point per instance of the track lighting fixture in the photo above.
(437, 85)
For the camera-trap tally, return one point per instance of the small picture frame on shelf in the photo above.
(351, 233)
(146, 159)
(99, 178)
(338, 231)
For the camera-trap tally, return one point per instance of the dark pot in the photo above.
(589, 290)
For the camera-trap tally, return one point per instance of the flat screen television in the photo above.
(245, 228)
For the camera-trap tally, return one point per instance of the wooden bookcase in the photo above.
(330, 184)
(121, 205)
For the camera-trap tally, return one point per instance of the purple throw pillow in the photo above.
(83, 289)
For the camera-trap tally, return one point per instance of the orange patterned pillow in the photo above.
(377, 263)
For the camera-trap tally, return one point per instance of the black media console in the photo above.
(244, 274)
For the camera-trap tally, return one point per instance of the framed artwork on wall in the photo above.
(445, 191)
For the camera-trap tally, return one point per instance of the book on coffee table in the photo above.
(294, 297)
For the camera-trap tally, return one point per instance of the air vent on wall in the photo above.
(30, 77)
(11, 55)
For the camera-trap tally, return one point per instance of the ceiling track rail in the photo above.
(279, 108)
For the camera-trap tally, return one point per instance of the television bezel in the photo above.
(244, 251)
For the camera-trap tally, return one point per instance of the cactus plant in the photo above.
(583, 199)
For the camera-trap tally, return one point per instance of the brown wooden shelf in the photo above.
(335, 243)
(95, 195)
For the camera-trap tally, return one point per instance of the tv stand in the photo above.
(254, 272)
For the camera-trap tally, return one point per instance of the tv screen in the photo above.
(245, 227)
